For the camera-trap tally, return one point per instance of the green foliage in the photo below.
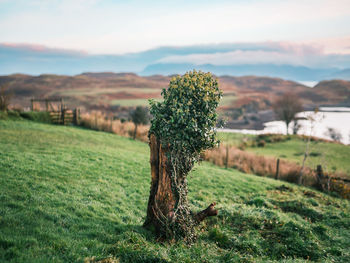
(38, 116)
(3, 115)
(140, 115)
(185, 119)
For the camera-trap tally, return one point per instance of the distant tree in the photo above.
(139, 116)
(286, 107)
(4, 98)
(296, 126)
(334, 134)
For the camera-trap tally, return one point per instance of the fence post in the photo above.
(226, 162)
(111, 127)
(62, 115)
(319, 176)
(47, 104)
(277, 169)
(32, 104)
(75, 116)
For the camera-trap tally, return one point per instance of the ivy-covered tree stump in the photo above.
(182, 127)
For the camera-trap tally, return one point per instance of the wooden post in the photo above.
(226, 161)
(319, 176)
(277, 168)
(32, 104)
(78, 116)
(62, 115)
(111, 127)
(47, 104)
(62, 106)
(75, 117)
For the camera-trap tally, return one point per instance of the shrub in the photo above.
(261, 143)
(3, 115)
(38, 116)
(334, 134)
(12, 114)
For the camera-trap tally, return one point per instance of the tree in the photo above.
(182, 127)
(313, 118)
(139, 116)
(286, 107)
(334, 134)
(4, 98)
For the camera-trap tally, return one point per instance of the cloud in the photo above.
(279, 53)
(133, 26)
(40, 49)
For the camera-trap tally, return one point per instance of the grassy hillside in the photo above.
(332, 156)
(68, 193)
(107, 90)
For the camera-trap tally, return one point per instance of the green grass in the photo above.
(228, 100)
(68, 193)
(332, 156)
(232, 138)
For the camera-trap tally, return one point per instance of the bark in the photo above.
(162, 199)
(209, 211)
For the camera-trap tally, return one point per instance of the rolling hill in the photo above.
(116, 92)
(106, 90)
(74, 195)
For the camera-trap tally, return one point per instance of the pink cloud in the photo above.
(42, 49)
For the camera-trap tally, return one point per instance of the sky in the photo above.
(119, 27)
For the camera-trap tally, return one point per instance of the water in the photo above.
(309, 84)
(317, 124)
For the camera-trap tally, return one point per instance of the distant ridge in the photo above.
(160, 61)
(299, 73)
(106, 90)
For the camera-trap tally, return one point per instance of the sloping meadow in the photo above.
(74, 195)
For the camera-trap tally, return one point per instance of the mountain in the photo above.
(342, 74)
(246, 101)
(336, 91)
(107, 90)
(298, 73)
(270, 59)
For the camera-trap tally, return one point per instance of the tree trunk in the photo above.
(287, 124)
(161, 201)
(161, 210)
(135, 131)
(226, 159)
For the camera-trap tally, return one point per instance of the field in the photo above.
(106, 90)
(332, 156)
(69, 194)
